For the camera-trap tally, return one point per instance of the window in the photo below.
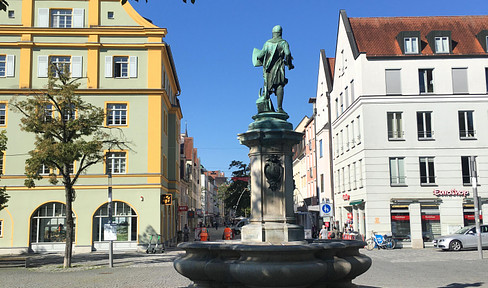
(44, 170)
(1, 228)
(116, 163)
(354, 179)
(427, 174)
(346, 96)
(3, 114)
(337, 106)
(3, 65)
(358, 128)
(60, 64)
(411, 45)
(321, 182)
(117, 114)
(459, 80)
(48, 223)
(2, 162)
(123, 215)
(395, 125)
(353, 141)
(61, 18)
(11, 14)
(424, 125)
(48, 112)
(7, 65)
(486, 79)
(466, 170)
(110, 14)
(341, 99)
(165, 123)
(341, 138)
(352, 92)
(69, 114)
(397, 171)
(343, 180)
(360, 171)
(347, 137)
(321, 151)
(466, 126)
(349, 177)
(442, 44)
(393, 81)
(426, 82)
(121, 67)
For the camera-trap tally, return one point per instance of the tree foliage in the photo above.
(67, 130)
(3, 146)
(237, 195)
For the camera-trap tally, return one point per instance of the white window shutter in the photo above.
(77, 66)
(10, 71)
(78, 18)
(133, 66)
(43, 17)
(108, 66)
(42, 65)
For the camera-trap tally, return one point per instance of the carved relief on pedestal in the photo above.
(273, 170)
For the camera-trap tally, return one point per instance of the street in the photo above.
(430, 268)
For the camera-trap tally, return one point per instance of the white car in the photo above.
(464, 238)
(238, 227)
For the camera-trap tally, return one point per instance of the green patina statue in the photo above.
(274, 56)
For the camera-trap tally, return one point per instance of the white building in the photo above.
(409, 104)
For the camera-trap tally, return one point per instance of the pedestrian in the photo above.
(204, 234)
(197, 232)
(216, 225)
(186, 233)
(227, 233)
(323, 233)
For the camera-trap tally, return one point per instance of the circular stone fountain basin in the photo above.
(325, 263)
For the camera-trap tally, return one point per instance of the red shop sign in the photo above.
(349, 216)
(400, 217)
(471, 217)
(431, 217)
(346, 197)
(182, 208)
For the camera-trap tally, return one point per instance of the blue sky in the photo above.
(212, 43)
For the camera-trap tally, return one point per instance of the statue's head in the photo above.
(277, 30)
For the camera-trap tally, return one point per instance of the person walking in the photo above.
(186, 233)
(204, 234)
(323, 233)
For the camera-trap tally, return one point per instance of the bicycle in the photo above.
(380, 241)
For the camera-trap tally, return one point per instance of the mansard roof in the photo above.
(378, 36)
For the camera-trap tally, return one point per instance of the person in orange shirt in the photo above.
(204, 234)
(227, 233)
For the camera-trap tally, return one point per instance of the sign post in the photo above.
(474, 182)
(111, 242)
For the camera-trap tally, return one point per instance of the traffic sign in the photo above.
(326, 210)
(166, 199)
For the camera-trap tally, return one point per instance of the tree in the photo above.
(237, 194)
(67, 129)
(3, 146)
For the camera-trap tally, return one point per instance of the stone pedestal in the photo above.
(270, 139)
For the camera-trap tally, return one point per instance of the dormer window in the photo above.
(483, 39)
(411, 45)
(441, 44)
(440, 41)
(409, 42)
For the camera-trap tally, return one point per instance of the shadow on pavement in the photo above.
(460, 285)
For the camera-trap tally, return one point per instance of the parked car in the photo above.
(237, 228)
(464, 238)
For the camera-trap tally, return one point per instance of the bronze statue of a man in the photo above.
(274, 56)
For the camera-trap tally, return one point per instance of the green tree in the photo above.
(237, 195)
(3, 146)
(67, 130)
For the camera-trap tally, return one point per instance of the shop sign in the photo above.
(471, 217)
(326, 224)
(346, 197)
(182, 208)
(349, 216)
(431, 217)
(400, 217)
(452, 192)
(191, 214)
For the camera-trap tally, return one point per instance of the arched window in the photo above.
(123, 215)
(48, 223)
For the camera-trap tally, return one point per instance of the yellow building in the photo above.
(123, 65)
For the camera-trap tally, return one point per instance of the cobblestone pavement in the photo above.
(402, 268)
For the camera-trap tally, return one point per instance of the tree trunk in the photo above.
(69, 226)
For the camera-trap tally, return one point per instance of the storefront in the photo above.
(431, 222)
(400, 222)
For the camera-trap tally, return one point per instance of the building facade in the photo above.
(191, 205)
(124, 66)
(408, 107)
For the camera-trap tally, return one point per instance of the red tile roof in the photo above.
(377, 36)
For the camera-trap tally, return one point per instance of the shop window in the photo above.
(122, 215)
(400, 223)
(468, 213)
(48, 223)
(431, 222)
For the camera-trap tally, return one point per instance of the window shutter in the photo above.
(78, 18)
(133, 66)
(393, 81)
(42, 65)
(10, 71)
(77, 66)
(459, 80)
(108, 66)
(43, 17)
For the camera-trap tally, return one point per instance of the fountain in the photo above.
(272, 251)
